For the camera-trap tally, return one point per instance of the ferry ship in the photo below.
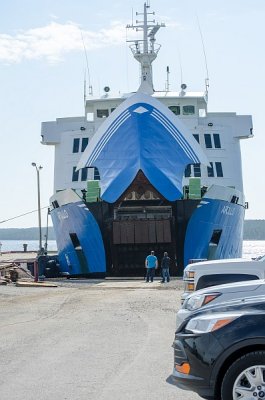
(148, 170)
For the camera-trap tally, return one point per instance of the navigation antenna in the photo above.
(207, 84)
(90, 89)
(180, 67)
(145, 50)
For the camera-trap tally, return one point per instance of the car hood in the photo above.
(215, 263)
(232, 287)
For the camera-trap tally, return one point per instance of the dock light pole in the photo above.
(47, 231)
(39, 210)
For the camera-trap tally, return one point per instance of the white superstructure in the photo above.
(218, 134)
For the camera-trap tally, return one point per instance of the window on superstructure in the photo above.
(96, 174)
(187, 172)
(210, 171)
(197, 170)
(55, 204)
(196, 137)
(219, 169)
(208, 141)
(112, 109)
(75, 175)
(76, 145)
(216, 140)
(175, 109)
(188, 110)
(102, 113)
(84, 174)
(84, 143)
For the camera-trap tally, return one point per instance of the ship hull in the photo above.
(141, 152)
(79, 241)
(92, 241)
(215, 231)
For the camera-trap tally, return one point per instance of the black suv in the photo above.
(219, 352)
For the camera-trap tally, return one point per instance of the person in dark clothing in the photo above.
(165, 264)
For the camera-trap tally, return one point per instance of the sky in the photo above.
(43, 62)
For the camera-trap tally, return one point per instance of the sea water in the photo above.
(251, 248)
(32, 245)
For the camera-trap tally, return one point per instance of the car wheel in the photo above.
(245, 379)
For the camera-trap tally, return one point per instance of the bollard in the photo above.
(25, 247)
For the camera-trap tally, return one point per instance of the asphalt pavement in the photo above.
(89, 340)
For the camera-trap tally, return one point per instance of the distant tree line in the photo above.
(25, 234)
(253, 230)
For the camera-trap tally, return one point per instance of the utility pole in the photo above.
(46, 236)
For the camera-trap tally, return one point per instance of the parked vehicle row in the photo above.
(219, 352)
(219, 345)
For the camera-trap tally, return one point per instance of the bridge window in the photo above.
(196, 137)
(84, 174)
(188, 110)
(193, 170)
(208, 141)
(210, 171)
(75, 175)
(197, 170)
(188, 171)
(102, 113)
(84, 144)
(175, 109)
(76, 145)
(96, 174)
(219, 169)
(217, 142)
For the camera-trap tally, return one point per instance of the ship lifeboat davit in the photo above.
(142, 134)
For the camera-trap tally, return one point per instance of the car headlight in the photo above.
(210, 323)
(189, 274)
(197, 301)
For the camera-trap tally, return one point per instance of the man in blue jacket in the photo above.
(150, 265)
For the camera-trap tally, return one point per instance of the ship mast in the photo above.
(145, 50)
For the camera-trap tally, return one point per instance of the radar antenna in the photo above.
(145, 50)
